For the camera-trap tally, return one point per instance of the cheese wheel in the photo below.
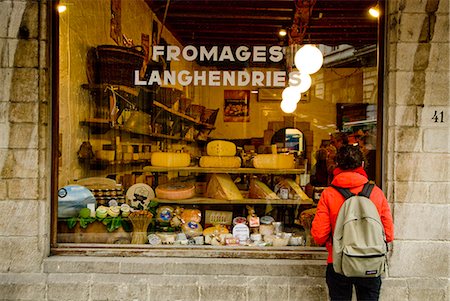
(175, 191)
(221, 186)
(274, 161)
(221, 148)
(216, 161)
(163, 159)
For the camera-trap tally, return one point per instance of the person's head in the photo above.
(339, 139)
(349, 157)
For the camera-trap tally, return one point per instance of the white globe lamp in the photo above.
(308, 59)
(288, 106)
(291, 94)
(300, 81)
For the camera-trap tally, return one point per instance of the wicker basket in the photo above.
(195, 111)
(209, 116)
(116, 64)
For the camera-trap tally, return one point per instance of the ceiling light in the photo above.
(374, 11)
(288, 106)
(61, 8)
(308, 59)
(303, 85)
(291, 94)
(282, 32)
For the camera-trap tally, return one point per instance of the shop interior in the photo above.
(170, 131)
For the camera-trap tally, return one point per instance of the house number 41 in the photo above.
(438, 117)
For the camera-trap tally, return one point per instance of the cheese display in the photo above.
(192, 229)
(191, 215)
(215, 230)
(175, 191)
(221, 186)
(164, 213)
(169, 159)
(259, 190)
(139, 195)
(216, 161)
(288, 189)
(274, 161)
(221, 148)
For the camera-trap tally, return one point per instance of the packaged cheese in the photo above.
(191, 215)
(275, 161)
(221, 186)
(259, 190)
(216, 161)
(291, 188)
(169, 159)
(192, 229)
(221, 148)
(175, 191)
(215, 230)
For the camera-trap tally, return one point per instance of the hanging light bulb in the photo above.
(288, 106)
(374, 11)
(300, 81)
(291, 94)
(61, 8)
(308, 59)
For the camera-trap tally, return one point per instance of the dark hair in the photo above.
(349, 157)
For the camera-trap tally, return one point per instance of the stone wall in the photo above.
(24, 137)
(417, 178)
(417, 145)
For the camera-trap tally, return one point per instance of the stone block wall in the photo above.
(416, 165)
(417, 143)
(24, 137)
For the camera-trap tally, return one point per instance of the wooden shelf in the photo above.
(195, 169)
(101, 126)
(204, 200)
(183, 116)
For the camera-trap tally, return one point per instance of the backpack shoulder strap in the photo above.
(367, 189)
(346, 193)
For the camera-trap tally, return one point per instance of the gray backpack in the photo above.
(359, 241)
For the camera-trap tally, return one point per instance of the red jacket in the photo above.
(331, 201)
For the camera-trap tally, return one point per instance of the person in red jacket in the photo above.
(348, 174)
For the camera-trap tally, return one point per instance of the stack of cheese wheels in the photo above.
(170, 159)
(274, 161)
(175, 191)
(220, 153)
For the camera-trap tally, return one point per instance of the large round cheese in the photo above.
(175, 191)
(139, 195)
(170, 159)
(274, 161)
(216, 161)
(221, 148)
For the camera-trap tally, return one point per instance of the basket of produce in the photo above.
(117, 64)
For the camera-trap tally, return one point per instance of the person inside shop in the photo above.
(337, 140)
(349, 173)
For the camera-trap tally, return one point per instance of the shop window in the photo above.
(165, 145)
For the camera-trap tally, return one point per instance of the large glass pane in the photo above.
(171, 130)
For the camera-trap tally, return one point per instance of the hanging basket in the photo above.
(116, 64)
